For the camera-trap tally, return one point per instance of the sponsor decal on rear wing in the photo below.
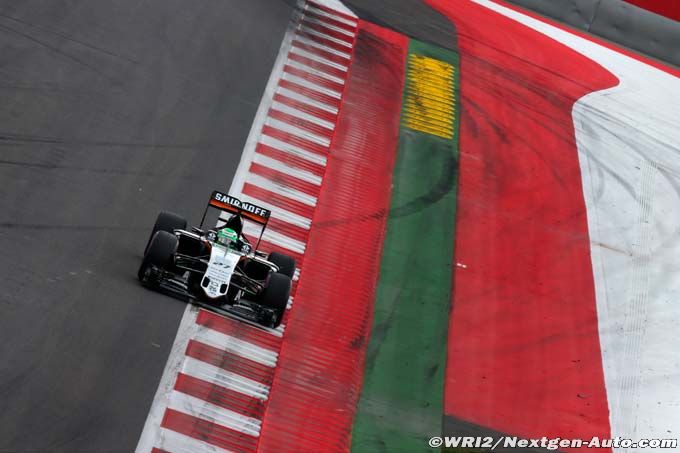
(233, 205)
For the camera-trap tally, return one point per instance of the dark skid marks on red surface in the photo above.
(320, 369)
(522, 232)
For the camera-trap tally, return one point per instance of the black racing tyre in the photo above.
(166, 221)
(285, 263)
(276, 295)
(159, 254)
(256, 270)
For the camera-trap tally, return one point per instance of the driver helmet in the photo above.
(227, 237)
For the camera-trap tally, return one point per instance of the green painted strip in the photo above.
(402, 397)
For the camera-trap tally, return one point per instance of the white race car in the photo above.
(218, 268)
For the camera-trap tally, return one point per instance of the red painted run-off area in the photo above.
(320, 371)
(668, 8)
(523, 354)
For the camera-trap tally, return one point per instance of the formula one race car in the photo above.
(218, 268)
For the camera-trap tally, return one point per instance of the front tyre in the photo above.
(275, 296)
(285, 263)
(159, 256)
(168, 222)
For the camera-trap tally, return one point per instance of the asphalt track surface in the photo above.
(110, 112)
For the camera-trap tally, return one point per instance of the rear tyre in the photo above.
(285, 263)
(159, 255)
(166, 221)
(275, 296)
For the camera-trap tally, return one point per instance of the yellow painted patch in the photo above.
(430, 104)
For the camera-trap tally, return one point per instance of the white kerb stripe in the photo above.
(281, 189)
(302, 133)
(315, 57)
(204, 410)
(278, 239)
(282, 214)
(315, 71)
(272, 332)
(223, 378)
(337, 6)
(179, 443)
(281, 329)
(319, 12)
(313, 32)
(314, 20)
(295, 150)
(311, 85)
(321, 46)
(303, 115)
(307, 100)
(237, 346)
(279, 166)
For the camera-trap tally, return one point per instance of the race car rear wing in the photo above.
(233, 205)
(248, 211)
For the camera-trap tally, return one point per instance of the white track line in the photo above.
(187, 329)
(279, 166)
(263, 109)
(175, 442)
(210, 412)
